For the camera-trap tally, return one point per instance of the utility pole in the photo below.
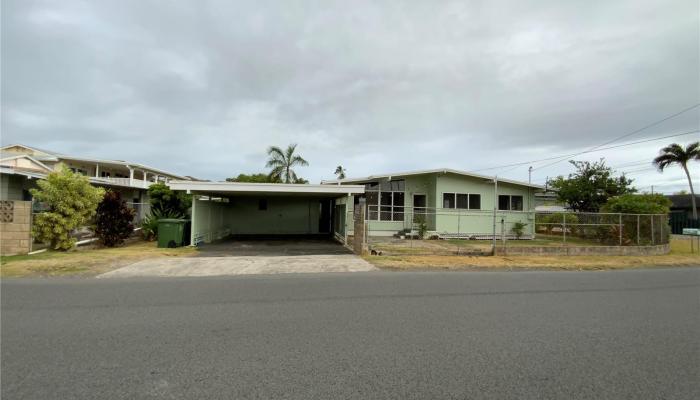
(529, 174)
(495, 208)
(652, 189)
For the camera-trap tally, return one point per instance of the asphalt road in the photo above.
(377, 335)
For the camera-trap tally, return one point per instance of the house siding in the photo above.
(446, 220)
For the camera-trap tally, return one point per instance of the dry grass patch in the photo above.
(680, 256)
(87, 262)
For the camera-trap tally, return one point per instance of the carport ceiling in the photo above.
(224, 189)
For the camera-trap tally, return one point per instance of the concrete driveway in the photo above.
(251, 257)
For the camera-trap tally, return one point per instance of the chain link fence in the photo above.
(477, 232)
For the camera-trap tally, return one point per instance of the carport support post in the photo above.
(359, 245)
(194, 201)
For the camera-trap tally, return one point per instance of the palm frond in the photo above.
(693, 151)
(275, 162)
(675, 154)
(274, 150)
(298, 160)
(290, 151)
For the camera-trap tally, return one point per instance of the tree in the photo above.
(638, 204)
(340, 172)
(165, 200)
(253, 178)
(676, 154)
(113, 220)
(71, 202)
(590, 186)
(283, 162)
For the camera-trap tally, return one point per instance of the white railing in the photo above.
(140, 183)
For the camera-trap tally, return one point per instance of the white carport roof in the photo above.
(241, 188)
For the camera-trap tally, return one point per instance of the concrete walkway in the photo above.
(241, 265)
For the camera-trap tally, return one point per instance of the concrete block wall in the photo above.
(584, 250)
(15, 227)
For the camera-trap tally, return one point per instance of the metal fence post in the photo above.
(411, 222)
(638, 243)
(563, 226)
(503, 232)
(620, 218)
(459, 220)
(651, 217)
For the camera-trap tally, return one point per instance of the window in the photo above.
(386, 203)
(463, 201)
(372, 201)
(448, 200)
(475, 202)
(78, 171)
(397, 214)
(507, 202)
(385, 200)
(503, 202)
(516, 203)
(262, 204)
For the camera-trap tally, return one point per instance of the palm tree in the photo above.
(282, 163)
(340, 171)
(676, 154)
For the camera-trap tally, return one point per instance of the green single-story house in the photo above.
(448, 202)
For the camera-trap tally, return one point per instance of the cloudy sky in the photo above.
(203, 87)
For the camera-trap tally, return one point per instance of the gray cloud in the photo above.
(376, 88)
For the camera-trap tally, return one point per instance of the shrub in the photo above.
(518, 229)
(149, 225)
(638, 204)
(165, 200)
(422, 226)
(113, 220)
(556, 220)
(70, 201)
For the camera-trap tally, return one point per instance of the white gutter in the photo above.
(244, 187)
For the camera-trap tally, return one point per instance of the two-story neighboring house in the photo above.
(21, 166)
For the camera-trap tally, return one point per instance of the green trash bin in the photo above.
(171, 232)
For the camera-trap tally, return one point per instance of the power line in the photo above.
(627, 134)
(633, 143)
(634, 171)
(632, 163)
(591, 151)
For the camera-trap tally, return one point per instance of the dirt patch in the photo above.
(680, 255)
(85, 262)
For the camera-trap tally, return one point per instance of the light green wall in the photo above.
(208, 220)
(240, 216)
(284, 215)
(452, 220)
(481, 221)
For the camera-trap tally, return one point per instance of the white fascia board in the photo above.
(243, 187)
(428, 171)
